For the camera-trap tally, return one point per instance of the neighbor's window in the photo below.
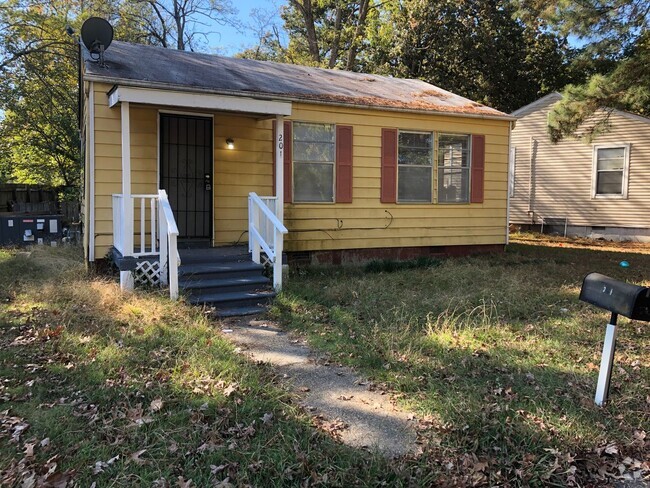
(313, 162)
(610, 171)
(453, 168)
(414, 166)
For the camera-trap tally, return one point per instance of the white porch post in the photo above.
(126, 277)
(279, 202)
(279, 167)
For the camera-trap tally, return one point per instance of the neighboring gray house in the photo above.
(597, 189)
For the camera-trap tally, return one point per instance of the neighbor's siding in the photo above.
(364, 223)
(562, 175)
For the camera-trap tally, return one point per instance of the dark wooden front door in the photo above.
(186, 158)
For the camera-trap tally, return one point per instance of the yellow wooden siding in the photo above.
(562, 175)
(368, 223)
(363, 223)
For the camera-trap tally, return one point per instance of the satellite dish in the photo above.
(97, 35)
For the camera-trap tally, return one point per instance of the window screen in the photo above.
(453, 168)
(313, 162)
(414, 167)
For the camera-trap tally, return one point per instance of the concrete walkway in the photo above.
(337, 397)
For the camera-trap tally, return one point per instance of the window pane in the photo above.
(414, 184)
(453, 185)
(609, 183)
(313, 157)
(453, 150)
(313, 151)
(420, 157)
(415, 148)
(313, 182)
(611, 158)
(313, 132)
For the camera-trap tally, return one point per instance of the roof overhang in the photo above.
(193, 100)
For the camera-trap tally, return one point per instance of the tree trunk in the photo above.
(361, 27)
(308, 15)
(334, 50)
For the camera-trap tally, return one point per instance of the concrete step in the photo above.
(235, 299)
(223, 270)
(239, 311)
(214, 255)
(200, 285)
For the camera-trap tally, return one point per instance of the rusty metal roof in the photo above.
(154, 66)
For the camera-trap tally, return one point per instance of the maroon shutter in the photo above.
(388, 166)
(478, 168)
(344, 164)
(288, 171)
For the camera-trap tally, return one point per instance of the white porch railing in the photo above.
(144, 210)
(265, 232)
(157, 233)
(169, 259)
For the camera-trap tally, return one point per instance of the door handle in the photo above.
(207, 181)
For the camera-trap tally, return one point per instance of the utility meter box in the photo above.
(22, 230)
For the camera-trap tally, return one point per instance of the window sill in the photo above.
(609, 197)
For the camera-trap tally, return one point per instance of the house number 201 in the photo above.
(280, 142)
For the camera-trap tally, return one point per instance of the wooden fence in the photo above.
(36, 199)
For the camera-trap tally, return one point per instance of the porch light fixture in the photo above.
(230, 144)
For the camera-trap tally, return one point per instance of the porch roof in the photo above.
(157, 67)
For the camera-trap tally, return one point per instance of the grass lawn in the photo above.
(497, 354)
(494, 355)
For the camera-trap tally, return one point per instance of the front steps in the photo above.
(225, 278)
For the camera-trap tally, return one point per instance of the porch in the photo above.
(153, 233)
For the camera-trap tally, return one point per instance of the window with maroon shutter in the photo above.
(343, 164)
(478, 168)
(388, 166)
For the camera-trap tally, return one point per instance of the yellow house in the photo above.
(187, 150)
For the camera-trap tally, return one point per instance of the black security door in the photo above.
(186, 174)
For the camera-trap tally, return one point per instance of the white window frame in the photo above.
(469, 167)
(293, 165)
(626, 171)
(433, 167)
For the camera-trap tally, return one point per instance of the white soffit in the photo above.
(204, 101)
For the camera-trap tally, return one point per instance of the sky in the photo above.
(229, 40)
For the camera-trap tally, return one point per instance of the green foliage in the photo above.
(476, 49)
(618, 42)
(38, 133)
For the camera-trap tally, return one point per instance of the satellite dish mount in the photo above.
(97, 35)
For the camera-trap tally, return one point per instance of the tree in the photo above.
(38, 77)
(617, 37)
(325, 33)
(475, 48)
(178, 23)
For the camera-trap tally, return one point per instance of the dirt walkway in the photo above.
(337, 397)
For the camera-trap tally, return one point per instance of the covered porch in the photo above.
(149, 229)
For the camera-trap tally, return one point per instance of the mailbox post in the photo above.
(621, 299)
